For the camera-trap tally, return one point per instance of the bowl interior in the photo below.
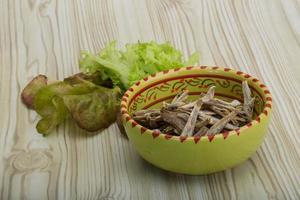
(165, 86)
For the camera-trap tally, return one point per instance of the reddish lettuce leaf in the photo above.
(93, 111)
(29, 92)
(92, 106)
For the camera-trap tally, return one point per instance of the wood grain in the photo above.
(39, 36)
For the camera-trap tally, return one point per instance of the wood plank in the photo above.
(259, 37)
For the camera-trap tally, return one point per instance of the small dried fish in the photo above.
(202, 123)
(218, 126)
(180, 97)
(207, 112)
(213, 102)
(172, 119)
(173, 105)
(214, 120)
(219, 110)
(183, 116)
(187, 111)
(166, 128)
(205, 116)
(202, 131)
(233, 103)
(189, 105)
(209, 95)
(154, 121)
(248, 101)
(190, 124)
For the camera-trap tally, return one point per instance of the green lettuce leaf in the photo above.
(58, 115)
(138, 60)
(91, 98)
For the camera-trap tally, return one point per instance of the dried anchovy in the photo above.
(180, 97)
(205, 116)
(233, 103)
(172, 119)
(202, 123)
(190, 124)
(248, 101)
(218, 126)
(209, 95)
(202, 131)
(213, 120)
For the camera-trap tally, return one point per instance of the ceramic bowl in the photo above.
(195, 155)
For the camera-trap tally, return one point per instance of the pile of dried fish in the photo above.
(205, 116)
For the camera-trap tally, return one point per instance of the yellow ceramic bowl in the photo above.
(195, 155)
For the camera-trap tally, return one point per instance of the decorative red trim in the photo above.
(155, 133)
(238, 131)
(145, 79)
(124, 112)
(189, 67)
(258, 119)
(168, 136)
(268, 105)
(126, 95)
(138, 83)
(203, 67)
(225, 134)
(131, 89)
(265, 112)
(128, 118)
(227, 69)
(176, 69)
(143, 129)
(197, 139)
(249, 124)
(262, 85)
(255, 80)
(266, 91)
(183, 138)
(269, 98)
(239, 72)
(133, 124)
(124, 99)
(166, 71)
(211, 137)
(153, 75)
(215, 68)
(247, 76)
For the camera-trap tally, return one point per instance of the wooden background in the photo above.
(261, 37)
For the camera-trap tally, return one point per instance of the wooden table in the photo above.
(261, 37)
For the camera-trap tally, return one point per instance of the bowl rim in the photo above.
(266, 95)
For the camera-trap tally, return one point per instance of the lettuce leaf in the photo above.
(92, 106)
(93, 111)
(58, 115)
(91, 98)
(29, 92)
(138, 60)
